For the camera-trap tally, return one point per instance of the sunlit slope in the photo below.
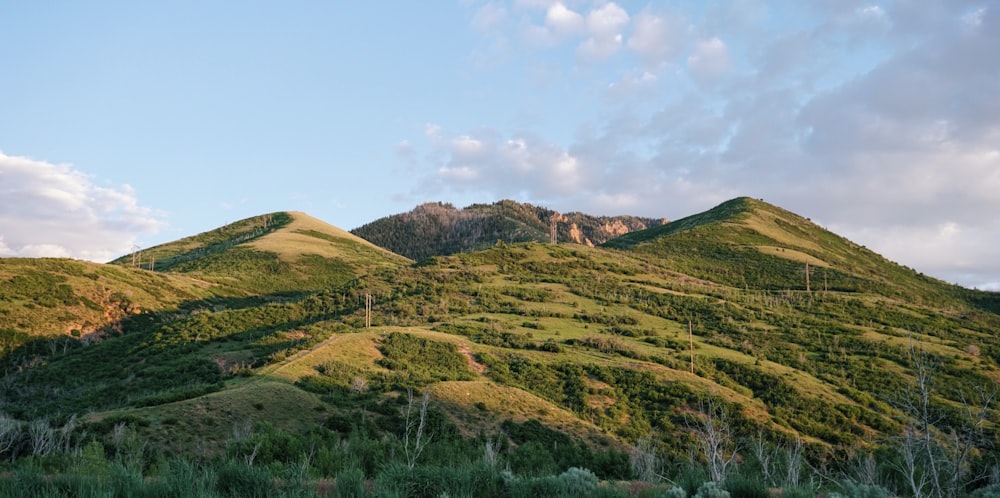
(277, 252)
(63, 297)
(749, 243)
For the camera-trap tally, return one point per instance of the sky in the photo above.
(135, 123)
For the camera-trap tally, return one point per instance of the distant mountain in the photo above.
(437, 229)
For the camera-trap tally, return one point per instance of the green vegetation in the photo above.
(280, 356)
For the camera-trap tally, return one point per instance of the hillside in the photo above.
(436, 229)
(310, 343)
(277, 252)
(43, 298)
(748, 243)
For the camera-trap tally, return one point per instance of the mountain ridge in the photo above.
(440, 229)
(631, 338)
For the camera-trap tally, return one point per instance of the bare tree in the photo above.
(359, 384)
(645, 463)
(491, 450)
(414, 440)
(864, 469)
(43, 438)
(10, 433)
(715, 438)
(765, 460)
(934, 456)
(793, 463)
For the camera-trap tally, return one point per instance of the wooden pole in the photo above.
(807, 278)
(691, 342)
(368, 311)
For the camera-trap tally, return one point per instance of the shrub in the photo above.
(711, 490)
(235, 479)
(574, 482)
(350, 483)
(855, 490)
(674, 492)
(987, 492)
(745, 487)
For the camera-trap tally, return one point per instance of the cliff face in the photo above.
(438, 229)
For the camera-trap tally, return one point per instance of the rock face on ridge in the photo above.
(439, 229)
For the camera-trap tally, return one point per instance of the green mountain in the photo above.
(279, 340)
(438, 229)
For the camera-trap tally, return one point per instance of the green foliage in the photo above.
(711, 490)
(542, 451)
(173, 256)
(350, 484)
(237, 479)
(396, 479)
(987, 492)
(574, 482)
(740, 486)
(852, 489)
(422, 359)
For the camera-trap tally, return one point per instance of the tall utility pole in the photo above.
(136, 256)
(368, 311)
(807, 277)
(691, 341)
(552, 228)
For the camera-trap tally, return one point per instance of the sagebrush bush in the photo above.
(855, 490)
(674, 492)
(711, 490)
(987, 492)
(746, 487)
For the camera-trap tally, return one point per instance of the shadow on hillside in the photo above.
(21, 350)
(158, 357)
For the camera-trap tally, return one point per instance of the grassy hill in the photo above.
(553, 355)
(437, 229)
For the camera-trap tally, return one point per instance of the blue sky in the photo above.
(140, 122)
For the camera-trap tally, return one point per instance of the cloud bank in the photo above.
(54, 210)
(881, 122)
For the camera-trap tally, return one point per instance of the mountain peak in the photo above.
(439, 229)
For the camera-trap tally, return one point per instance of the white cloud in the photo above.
(563, 21)
(50, 210)
(657, 39)
(489, 17)
(880, 119)
(604, 29)
(709, 59)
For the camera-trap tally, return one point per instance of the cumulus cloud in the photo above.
(709, 60)
(54, 210)
(563, 21)
(881, 121)
(657, 39)
(520, 166)
(489, 17)
(605, 25)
